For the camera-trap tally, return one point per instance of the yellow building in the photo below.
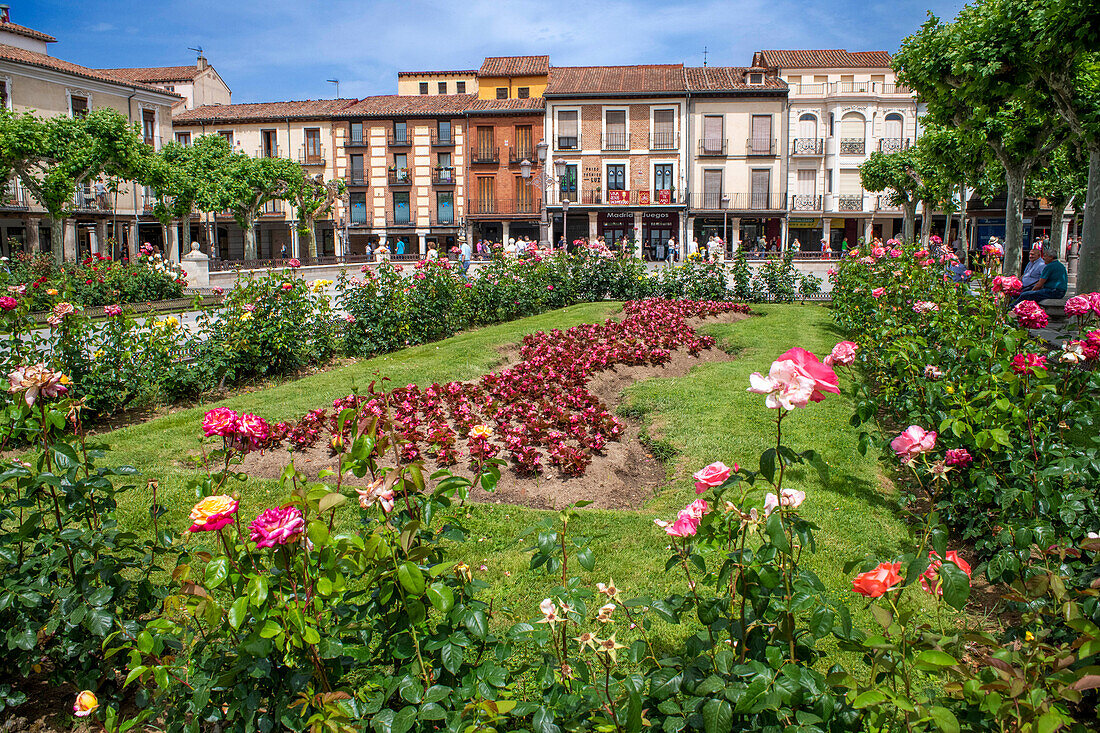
(434, 83)
(513, 77)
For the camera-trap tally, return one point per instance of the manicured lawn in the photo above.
(706, 416)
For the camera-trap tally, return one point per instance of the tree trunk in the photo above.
(57, 239)
(1057, 213)
(249, 228)
(306, 236)
(909, 221)
(964, 245)
(925, 223)
(1088, 259)
(1014, 220)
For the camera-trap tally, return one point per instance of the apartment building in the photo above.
(844, 105)
(737, 125)
(304, 131)
(513, 77)
(618, 131)
(198, 85)
(436, 82)
(404, 160)
(31, 80)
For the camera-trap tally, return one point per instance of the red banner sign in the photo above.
(664, 196)
(618, 197)
(643, 198)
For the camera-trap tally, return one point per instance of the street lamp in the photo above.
(725, 219)
(559, 175)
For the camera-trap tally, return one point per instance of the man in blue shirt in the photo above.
(1034, 269)
(1052, 282)
(466, 252)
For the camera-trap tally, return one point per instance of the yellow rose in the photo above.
(480, 431)
(85, 703)
(213, 513)
(98, 355)
(53, 291)
(246, 316)
(172, 321)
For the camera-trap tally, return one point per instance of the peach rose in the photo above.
(875, 583)
(212, 513)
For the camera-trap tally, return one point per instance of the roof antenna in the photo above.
(196, 50)
(704, 55)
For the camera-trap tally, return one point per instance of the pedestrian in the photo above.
(432, 255)
(1052, 283)
(381, 252)
(282, 251)
(671, 248)
(399, 248)
(825, 249)
(465, 253)
(1034, 268)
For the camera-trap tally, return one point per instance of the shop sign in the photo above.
(618, 197)
(616, 217)
(664, 197)
(803, 223)
(592, 173)
(643, 198)
(659, 217)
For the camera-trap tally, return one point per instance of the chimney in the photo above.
(4, 17)
(201, 63)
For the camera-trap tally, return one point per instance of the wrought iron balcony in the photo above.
(712, 146)
(88, 200)
(501, 207)
(311, 155)
(356, 139)
(394, 141)
(399, 177)
(808, 146)
(444, 219)
(266, 152)
(760, 146)
(518, 155)
(444, 176)
(805, 202)
(852, 146)
(615, 141)
(13, 198)
(882, 203)
(356, 178)
(893, 144)
(849, 202)
(664, 141)
(360, 217)
(711, 201)
(443, 141)
(568, 142)
(483, 155)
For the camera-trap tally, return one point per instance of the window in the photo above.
(712, 188)
(568, 138)
(523, 92)
(460, 87)
(423, 87)
(149, 126)
(615, 130)
(401, 168)
(761, 184)
(228, 135)
(269, 146)
(484, 144)
(443, 132)
(78, 106)
(569, 182)
(170, 87)
(829, 181)
(5, 94)
(445, 207)
(662, 179)
(502, 92)
(401, 213)
(401, 132)
(664, 129)
(807, 182)
(893, 126)
(356, 174)
(358, 202)
(356, 133)
(761, 140)
(616, 177)
(442, 87)
(446, 170)
(184, 139)
(714, 140)
(313, 143)
(485, 195)
(524, 149)
(853, 128)
(756, 78)
(524, 198)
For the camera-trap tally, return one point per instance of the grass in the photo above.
(696, 419)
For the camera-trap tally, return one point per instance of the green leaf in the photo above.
(956, 585)
(330, 501)
(410, 577)
(944, 719)
(238, 612)
(217, 570)
(257, 590)
(717, 716)
(936, 658)
(586, 558)
(775, 532)
(767, 465)
(441, 597)
(1049, 722)
(868, 698)
(451, 655)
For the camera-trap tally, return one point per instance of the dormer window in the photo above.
(756, 77)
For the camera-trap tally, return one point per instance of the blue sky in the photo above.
(276, 49)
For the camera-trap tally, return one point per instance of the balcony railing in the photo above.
(444, 220)
(483, 207)
(394, 141)
(893, 144)
(567, 142)
(399, 177)
(664, 141)
(481, 155)
(853, 87)
(444, 176)
(805, 202)
(443, 141)
(356, 178)
(849, 202)
(882, 203)
(712, 146)
(896, 89)
(90, 201)
(361, 217)
(13, 198)
(310, 155)
(356, 139)
(266, 152)
(518, 155)
(760, 146)
(739, 201)
(852, 146)
(808, 146)
(660, 197)
(403, 221)
(272, 208)
(847, 87)
(614, 141)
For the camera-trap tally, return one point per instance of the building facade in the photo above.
(844, 105)
(433, 83)
(31, 80)
(198, 85)
(404, 160)
(737, 122)
(619, 131)
(304, 131)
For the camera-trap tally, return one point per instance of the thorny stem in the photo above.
(691, 587)
(609, 706)
(788, 563)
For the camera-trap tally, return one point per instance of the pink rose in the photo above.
(795, 379)
(1078, 305)
(878, 252)
(278, 526)
(914, 441)
(112, 310)
(254, 428)
(789, 498)
(877, 582)
(825, 379)
(895, 252)
(713, 475)
(288, 286)
(959, 457)
(843, 354)
(220, 421)
(1008, 285)
(1094, 302)
(878, 292)
(1030, 315)
(1023, 362)
(293, 262)
(8, 303)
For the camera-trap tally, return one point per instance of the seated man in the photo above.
(1052, 282)
(1034, 269)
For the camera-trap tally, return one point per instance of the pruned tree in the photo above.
(244, 185)
(895, 174)
(1062, 181)
(313, 199)
(187, 178)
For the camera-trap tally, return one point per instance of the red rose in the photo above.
(875, 583)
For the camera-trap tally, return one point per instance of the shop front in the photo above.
(753, 229)
(403, 242)
(443, 238)
(614, 226)
(657, 228)
(804, 235)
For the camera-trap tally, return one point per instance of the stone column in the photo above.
(638, 234)
(505, 228)
(826, 231)
(196, 265)
(685, 246)
(783, 234)
(101, 236)
(735, 233)
(93, 241)
(33, 241)
(593, 229)
(173, 242)
(868, 232)
(69, 240)
(133, 244)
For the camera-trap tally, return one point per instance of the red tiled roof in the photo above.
(22, 30)
(489, 106)
(616, 80)
(307, 109)
(466, 72)
(726, 78)
(410, 105)
(515, 66)
(155, 73)
(826, 59)
(33, 58)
